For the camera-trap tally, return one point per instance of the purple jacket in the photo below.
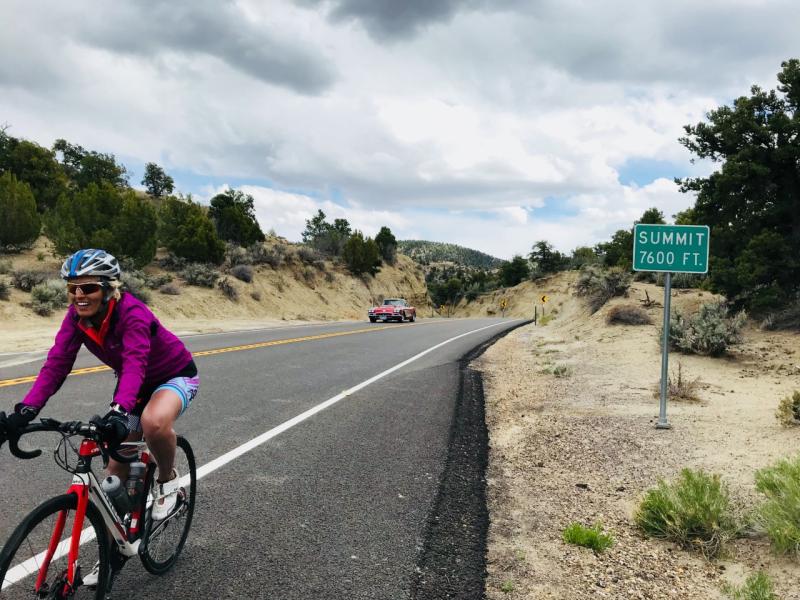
(138, 348)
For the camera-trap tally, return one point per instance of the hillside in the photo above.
(571, 407)
(436, 252)
(295, 291)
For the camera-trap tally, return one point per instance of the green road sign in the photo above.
(671, 248)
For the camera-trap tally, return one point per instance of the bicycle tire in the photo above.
(33, 539)
(159, 554)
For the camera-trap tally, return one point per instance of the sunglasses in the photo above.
(85, 288)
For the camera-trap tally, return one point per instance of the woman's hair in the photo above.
(113, 291)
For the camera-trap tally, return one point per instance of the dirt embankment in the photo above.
(293, 292)
(583, 447)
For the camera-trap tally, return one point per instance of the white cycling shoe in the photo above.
(166, 497)
(90, 579)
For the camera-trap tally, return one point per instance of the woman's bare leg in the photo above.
(158, 418)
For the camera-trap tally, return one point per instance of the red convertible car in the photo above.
(392, 309)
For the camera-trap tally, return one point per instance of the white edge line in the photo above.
(22, 570)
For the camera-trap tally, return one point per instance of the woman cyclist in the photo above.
(156, 375)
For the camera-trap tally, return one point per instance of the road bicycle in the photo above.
(63, 539)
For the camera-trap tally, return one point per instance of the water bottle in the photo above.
(135, 483)
(114, 489)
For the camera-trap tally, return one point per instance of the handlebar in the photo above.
(91, 430)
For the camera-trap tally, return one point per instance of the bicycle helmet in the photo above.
(90, 262)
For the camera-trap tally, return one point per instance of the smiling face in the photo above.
(89, 304)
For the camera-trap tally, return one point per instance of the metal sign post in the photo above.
(669, 249)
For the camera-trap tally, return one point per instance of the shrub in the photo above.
(562, 371)
(780, 514)
(679, 387)
(5, 291)
(185, 229)
(588, 537)
(200, 275)
(361, 254)
(261, 255)
(628, 314)
(5, 267)
(788, 411)
(155, 282)
(329, 277)
(133, 282)
(309, 276)
(243, 273)
(170, 289)
(172, 262)
(228, 289)
(20, 224)
(256, 295)
(787, 318)
(757, 587)
(27, 280)
(693, 512)
(709, 332)
(307, 255)
(599, 285)
(236, 255)
(48, 296)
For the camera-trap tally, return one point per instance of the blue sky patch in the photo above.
(643, 171)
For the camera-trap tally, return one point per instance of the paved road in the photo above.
(332, 508)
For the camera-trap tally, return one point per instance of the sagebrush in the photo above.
(242, 272)
(200, 275)
(709, 332)
(48, 296)
(134, 282)
(228, 289)
(5, 291)
(599, 285)
(788, 411)
(694, 511)
(25, 280)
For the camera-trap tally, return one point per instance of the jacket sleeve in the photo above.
(135, 356)
(58, 364)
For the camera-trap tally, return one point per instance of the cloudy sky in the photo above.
(487, 123)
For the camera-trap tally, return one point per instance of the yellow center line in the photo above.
(307, 338)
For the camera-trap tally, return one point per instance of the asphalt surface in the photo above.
(335, 507)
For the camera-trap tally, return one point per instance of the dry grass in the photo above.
(628, 314)
(680, 387)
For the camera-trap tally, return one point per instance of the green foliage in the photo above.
(599, 285)
(20, 224)
(448, 292)
(588, 537)
(546, 259)
(709, 332)
(48, 296)
(780, 514)
(328, 238)
(788, 412)
(200, 275)
(582, 256)
(156, 181)
(619, 251)
(757, 587)
(36, 166)
(628, 314)
(507, 586)
(102, 216)
(750, 203)
(185, 229)
(307, 255)
(361, 254)
(84, 167)
(786, 318)
(228, 289)
(694, 512)
(514, 272)
(26, 280)
(234, 216)
(387, 245)
(429, 252)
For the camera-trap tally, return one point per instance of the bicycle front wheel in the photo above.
(22, 558)
(165, 539)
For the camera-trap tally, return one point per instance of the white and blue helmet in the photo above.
(90, 261)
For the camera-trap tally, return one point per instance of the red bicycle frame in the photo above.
(87, 489)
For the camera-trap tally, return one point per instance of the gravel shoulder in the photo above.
(583, 447)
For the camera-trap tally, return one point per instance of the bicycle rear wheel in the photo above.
(165, 539)
(22, 557)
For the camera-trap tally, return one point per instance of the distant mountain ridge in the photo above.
(428, 252)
